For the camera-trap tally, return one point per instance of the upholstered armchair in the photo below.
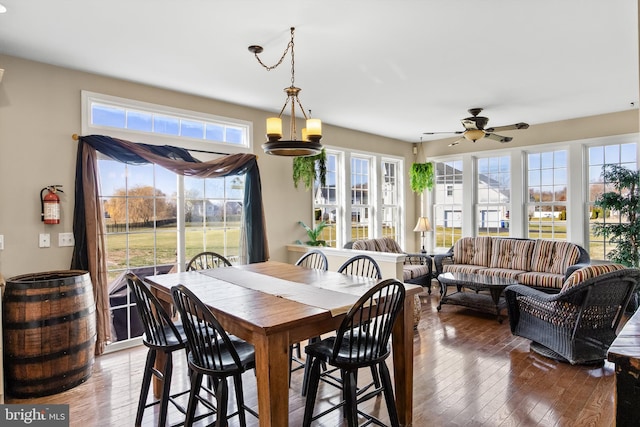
(417, 268)
(578, 324)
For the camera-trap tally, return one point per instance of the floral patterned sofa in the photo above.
(539, 263)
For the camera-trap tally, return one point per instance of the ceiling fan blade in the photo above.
(498, 138)
(469, 123)
(515, 126)
(456, 142)
(457, 132)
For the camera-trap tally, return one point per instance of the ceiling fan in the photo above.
(475, 129)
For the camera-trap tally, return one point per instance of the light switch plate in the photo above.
(65, 239)
(45, 240)
(1, 242)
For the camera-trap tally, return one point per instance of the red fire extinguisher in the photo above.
(50, 204)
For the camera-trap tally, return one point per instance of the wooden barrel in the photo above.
(49, 332)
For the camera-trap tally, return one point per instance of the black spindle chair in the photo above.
(314, 259)
(214, 353)
(361, 341)
(207, 260)
(361, 265)
(160, 335)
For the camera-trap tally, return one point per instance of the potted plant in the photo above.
(305, 171)
(625, 235)
(626, 201)
(421, 177)
(313, 234)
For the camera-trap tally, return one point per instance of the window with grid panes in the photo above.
(547, 182)
(448, 200)
(493, 196)
(624, 155)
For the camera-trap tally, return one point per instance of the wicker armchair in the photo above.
(578, 324)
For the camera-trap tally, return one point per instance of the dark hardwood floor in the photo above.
(469, 371)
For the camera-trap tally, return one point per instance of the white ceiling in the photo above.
(396, 68)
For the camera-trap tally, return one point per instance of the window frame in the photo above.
(343, 221)
(588, 203)
(89, 98)
(553, 204)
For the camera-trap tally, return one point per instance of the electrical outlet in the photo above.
(65, 239)
(1, 242)
(45, 240)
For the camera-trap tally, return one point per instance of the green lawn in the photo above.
(141, 243)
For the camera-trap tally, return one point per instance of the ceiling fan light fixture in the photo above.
(309, 143)
(474, 134)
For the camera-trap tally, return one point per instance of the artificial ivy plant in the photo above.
(421, 175)
(305, 171)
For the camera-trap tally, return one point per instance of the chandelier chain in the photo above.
(284, 54)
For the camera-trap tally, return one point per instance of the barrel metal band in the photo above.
(33, 324)
(10, 297)
(21, 360)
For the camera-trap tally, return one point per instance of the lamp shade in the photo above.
(423, 224)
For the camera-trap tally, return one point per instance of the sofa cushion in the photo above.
(507, 273)
(463, 268)
(522, 253)
(382, 244)
(388, 244)
(588, 272)
(364, 245)
(472, 250)
(511, 254)
(413, 271)
(553, 257)
(541, 279)
(482, 253)
(542, 253)
(564, 255)
(502, 253)
(463, 250)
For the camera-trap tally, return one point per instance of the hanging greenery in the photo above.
(421, 175)
(305, 171)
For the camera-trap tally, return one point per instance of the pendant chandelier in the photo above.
(309, 143)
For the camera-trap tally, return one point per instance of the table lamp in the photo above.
(422, 226)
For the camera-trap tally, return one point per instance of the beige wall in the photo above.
(40, 110)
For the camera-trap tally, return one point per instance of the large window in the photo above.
(212, 216)
(494, 196)
(156, 220)
(326, 201)
(547, 195)
(448, 200)
(391, 199)
(360, 198)
(112, 114)
(616, 154)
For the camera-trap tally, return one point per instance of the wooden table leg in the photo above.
(272, 376)
(403, 363)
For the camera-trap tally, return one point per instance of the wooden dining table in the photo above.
(273, 305)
